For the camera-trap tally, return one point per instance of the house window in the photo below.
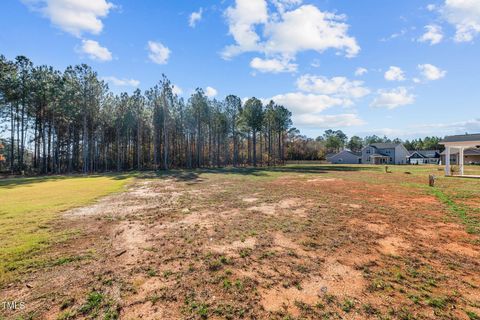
(368, 152)
(391, 159)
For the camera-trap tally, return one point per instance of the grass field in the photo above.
(295, 242)
(28, 206)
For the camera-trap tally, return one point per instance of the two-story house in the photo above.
(385, 153)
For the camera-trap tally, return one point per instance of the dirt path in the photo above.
(266, 248)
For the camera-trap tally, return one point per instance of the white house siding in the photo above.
(424, 161)
(396, 154)
(366, 152)
(401, 154)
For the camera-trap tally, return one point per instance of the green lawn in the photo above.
(28, 206)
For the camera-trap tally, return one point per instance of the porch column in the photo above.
(460, 161)
(447, 160)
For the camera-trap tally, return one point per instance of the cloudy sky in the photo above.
(403, 68)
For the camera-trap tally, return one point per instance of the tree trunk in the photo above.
(165, 134)
(254, 148)
(235, 147)
(139, 146)
(12, 139)
(280, 157)
(22, 148)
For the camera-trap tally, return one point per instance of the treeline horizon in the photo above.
(62, 122)
(67, 122)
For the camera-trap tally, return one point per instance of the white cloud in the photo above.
(317, 94)
(272, 65)
(336, 86)
(211, 92)
(393, 98)
(394, 74)
(464, 15)
(360, 72)
(242, 20)
(301, 103)
(422, 130)
(124, 82)
(177, 90)
(315, 63)
(458, 127)
(95, 51)
(431, 72)
(440, 129)
(328, 121)
(286, 31)
(433, 34)
(283, 5)
(158, 53)
(73, 16)
(308, 28)
(431, 7)
(395, 35)
(195, 17)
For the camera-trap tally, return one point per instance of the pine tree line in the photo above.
(64, 122)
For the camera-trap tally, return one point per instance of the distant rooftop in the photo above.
(462, 138)
(358, 154)
(425, 153)
(384, 145)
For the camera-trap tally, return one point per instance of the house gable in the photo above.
(416, 155)
(345, 156)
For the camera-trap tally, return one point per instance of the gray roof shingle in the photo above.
(462, 138)
(426, 153)
(384, 145)
(348, 151)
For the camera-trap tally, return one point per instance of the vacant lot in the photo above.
(298, 242)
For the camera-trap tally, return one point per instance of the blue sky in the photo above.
(401, 68)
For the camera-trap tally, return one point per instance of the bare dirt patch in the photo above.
(322, 180)
(264, 208)
(289, 203)
(350, 246)
(378, 227)
(352, 205)
(250, 200)
(248, 243)
(392, 245)
(463, 250)
(335, 279)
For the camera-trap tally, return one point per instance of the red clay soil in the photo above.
(283, 248)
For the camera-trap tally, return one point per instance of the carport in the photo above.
(460, 143)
